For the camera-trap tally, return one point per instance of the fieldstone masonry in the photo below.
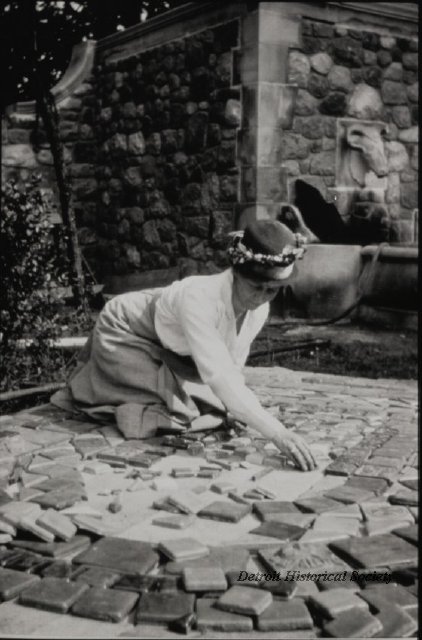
(169, 146)
(346, 73)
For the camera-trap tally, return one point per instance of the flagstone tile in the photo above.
(105, 604)
(353, 623)
(183, 549)
(376, 551)
(209, 618)
(158, 607)
(246, 601)
(120, 554)
(12, 583)
(53, 594)
(285, 616)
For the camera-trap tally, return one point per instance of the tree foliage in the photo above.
(59, 26)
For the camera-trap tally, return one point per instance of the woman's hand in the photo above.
(294, 447)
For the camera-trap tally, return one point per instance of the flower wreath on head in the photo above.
(239, 254)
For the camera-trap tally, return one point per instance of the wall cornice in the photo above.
(79, 69)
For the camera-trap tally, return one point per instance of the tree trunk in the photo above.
(48, 113)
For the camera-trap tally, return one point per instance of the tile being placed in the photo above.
(285, 616)
(246, 601)
(210, 618)
(354, 623)
(159, 607)
(197, 579)
(105, 604)
(126, 556)
(12, 583)
(183, 549)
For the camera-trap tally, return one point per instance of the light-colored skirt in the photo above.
(124, 374)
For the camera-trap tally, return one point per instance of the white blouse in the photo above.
(195, 317)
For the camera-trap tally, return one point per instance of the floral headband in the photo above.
(239, 254)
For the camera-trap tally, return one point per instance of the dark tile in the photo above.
(125, 556)
(341, 468)
(12, 583)
(246, 601)
(377, 485)
(225, 511)
(10, 556)
(375, 551)
(354, 623)
(264, 510)
(138, 584)
(183, 625)
(158, 607)
(285, 616)
(410, 484)
(55, 549)
(58, 569)
(410, 534)
(105, 604)
(29, 562)
(316, 504)
(349, 495)
(396, 623)
(96, 576)
(62, 498)
(209, 618)
(391, 593)
(279, 530)
(406, 498)
(53, 594)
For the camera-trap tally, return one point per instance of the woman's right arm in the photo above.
(217, 369)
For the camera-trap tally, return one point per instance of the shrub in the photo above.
(33, 266)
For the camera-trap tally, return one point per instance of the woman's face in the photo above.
(249, 294)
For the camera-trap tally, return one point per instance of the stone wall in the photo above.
(184, 124)
(347, 75)
(165, 175)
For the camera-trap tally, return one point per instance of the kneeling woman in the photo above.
(162, 357)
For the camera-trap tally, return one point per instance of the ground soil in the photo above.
(347, 349)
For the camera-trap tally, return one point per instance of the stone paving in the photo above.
(212, 533)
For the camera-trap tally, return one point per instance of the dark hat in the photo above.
(266, 249)
(269, 237)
